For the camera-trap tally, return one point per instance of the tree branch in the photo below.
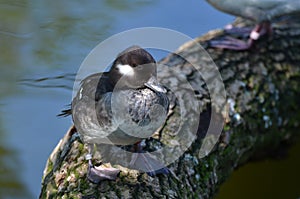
(263, 100)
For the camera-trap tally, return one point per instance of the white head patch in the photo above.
(125, 69)
(254, 35)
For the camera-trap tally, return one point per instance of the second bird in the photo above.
(260, 11)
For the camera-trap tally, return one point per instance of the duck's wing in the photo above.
(93, 87)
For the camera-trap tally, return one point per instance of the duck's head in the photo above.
(135, 68)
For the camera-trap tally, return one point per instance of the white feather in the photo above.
(125, 69)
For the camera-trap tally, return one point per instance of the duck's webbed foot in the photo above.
(100, 173)
(230, 42)
(144, 161)
(96, 174)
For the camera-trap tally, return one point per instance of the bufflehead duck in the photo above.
(120, 107)
(260, 11)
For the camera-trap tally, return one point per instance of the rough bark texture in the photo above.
(262, 86)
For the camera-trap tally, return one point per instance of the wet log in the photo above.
(262, 99)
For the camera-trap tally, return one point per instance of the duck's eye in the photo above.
(140, 67)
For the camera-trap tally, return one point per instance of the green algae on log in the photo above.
(263, 99)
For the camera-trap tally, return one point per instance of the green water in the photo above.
(276, 179)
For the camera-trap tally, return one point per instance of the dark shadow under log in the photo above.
(263, 99)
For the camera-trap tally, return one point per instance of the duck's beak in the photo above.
(153, 84)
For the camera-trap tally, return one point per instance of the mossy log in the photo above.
(263, 96)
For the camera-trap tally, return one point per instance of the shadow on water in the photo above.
(269, 178)
(11, 185)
